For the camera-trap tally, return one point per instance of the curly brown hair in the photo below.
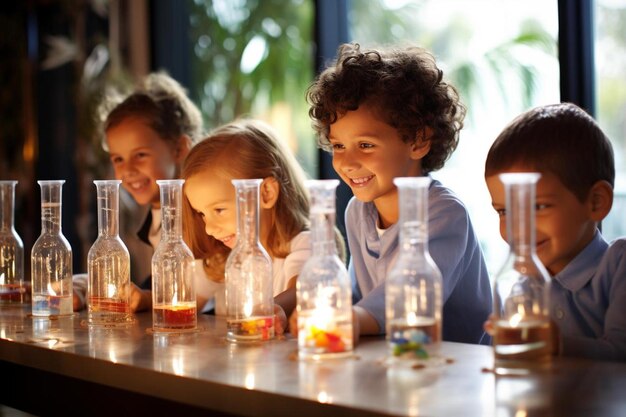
(404, 86)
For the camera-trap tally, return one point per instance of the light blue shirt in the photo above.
(588, 301)
(452, 245)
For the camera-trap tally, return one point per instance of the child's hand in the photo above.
(140, 300)
(293, 323)
(488, 325)
(280, 320)
(78, 300)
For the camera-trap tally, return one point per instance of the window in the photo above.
(255, 58)
(610, 66)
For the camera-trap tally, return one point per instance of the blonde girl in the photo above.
(246, 149)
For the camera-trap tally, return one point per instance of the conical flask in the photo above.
(51, 257)
(108, 264)
(323, 286)
(173, 295)
(522, 335)
(249, 290)
(413, 289)
(14, 288)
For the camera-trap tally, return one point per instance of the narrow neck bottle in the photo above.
(173, 294)
(171, 204)
(520, 219)
(7, 201)
(322, 198)
(413, 202)
(13, 288)
(247, 211)
(51, 258)
(51, 206)
(108, 207)
(249, 281)
(522, 335)
(323, 289)
(413, 287)
(108, 264)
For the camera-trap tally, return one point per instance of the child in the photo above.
(246, 149)
(148, 135)
(574, 193)
(386, 114)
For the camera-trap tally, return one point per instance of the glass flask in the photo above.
(174, 306)
(323, 286)
(14, 288)
(108, 264)
(522, 335)
(249, 290)
(51, 257)
(413, 288)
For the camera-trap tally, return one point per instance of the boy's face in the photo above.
(563, 224)
(213, 196)
(140, 157)
(368, 154)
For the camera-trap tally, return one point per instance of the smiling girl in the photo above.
(148, 135)
(247, 149)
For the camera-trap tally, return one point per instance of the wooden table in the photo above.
(61, 367)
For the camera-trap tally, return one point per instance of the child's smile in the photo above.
(368, 154)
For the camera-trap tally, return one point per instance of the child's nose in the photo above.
(346, 163)
(126, 168)
(209, 229)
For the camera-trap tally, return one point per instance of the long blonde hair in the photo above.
(247, 149)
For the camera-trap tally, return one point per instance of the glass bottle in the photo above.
(108, 264)
(323, 286)
(249, 290)
(173, 294)
(14, 288)
(51, 257)
(522, 337)
(413, 289)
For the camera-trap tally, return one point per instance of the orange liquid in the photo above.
(15, 293)
(526, 343)
(111, 305)
(169, 317)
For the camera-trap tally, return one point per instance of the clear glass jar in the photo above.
(323, 286)
(413, 289)
(51, 257)
(108, 264)
(174, 307)
(14, 288)
(522, 333)
(249, 289)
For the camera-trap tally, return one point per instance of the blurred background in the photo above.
(257, 57)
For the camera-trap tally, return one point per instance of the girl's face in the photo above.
(213, 196)
(140, 157)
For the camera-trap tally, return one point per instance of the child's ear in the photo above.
(270, 188)
(600, 200)
(183, 146)
(421, 146)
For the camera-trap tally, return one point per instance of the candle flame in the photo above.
(111, 290)
(411, 318)
(247, 308)
(51, 291)
(2, 279)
